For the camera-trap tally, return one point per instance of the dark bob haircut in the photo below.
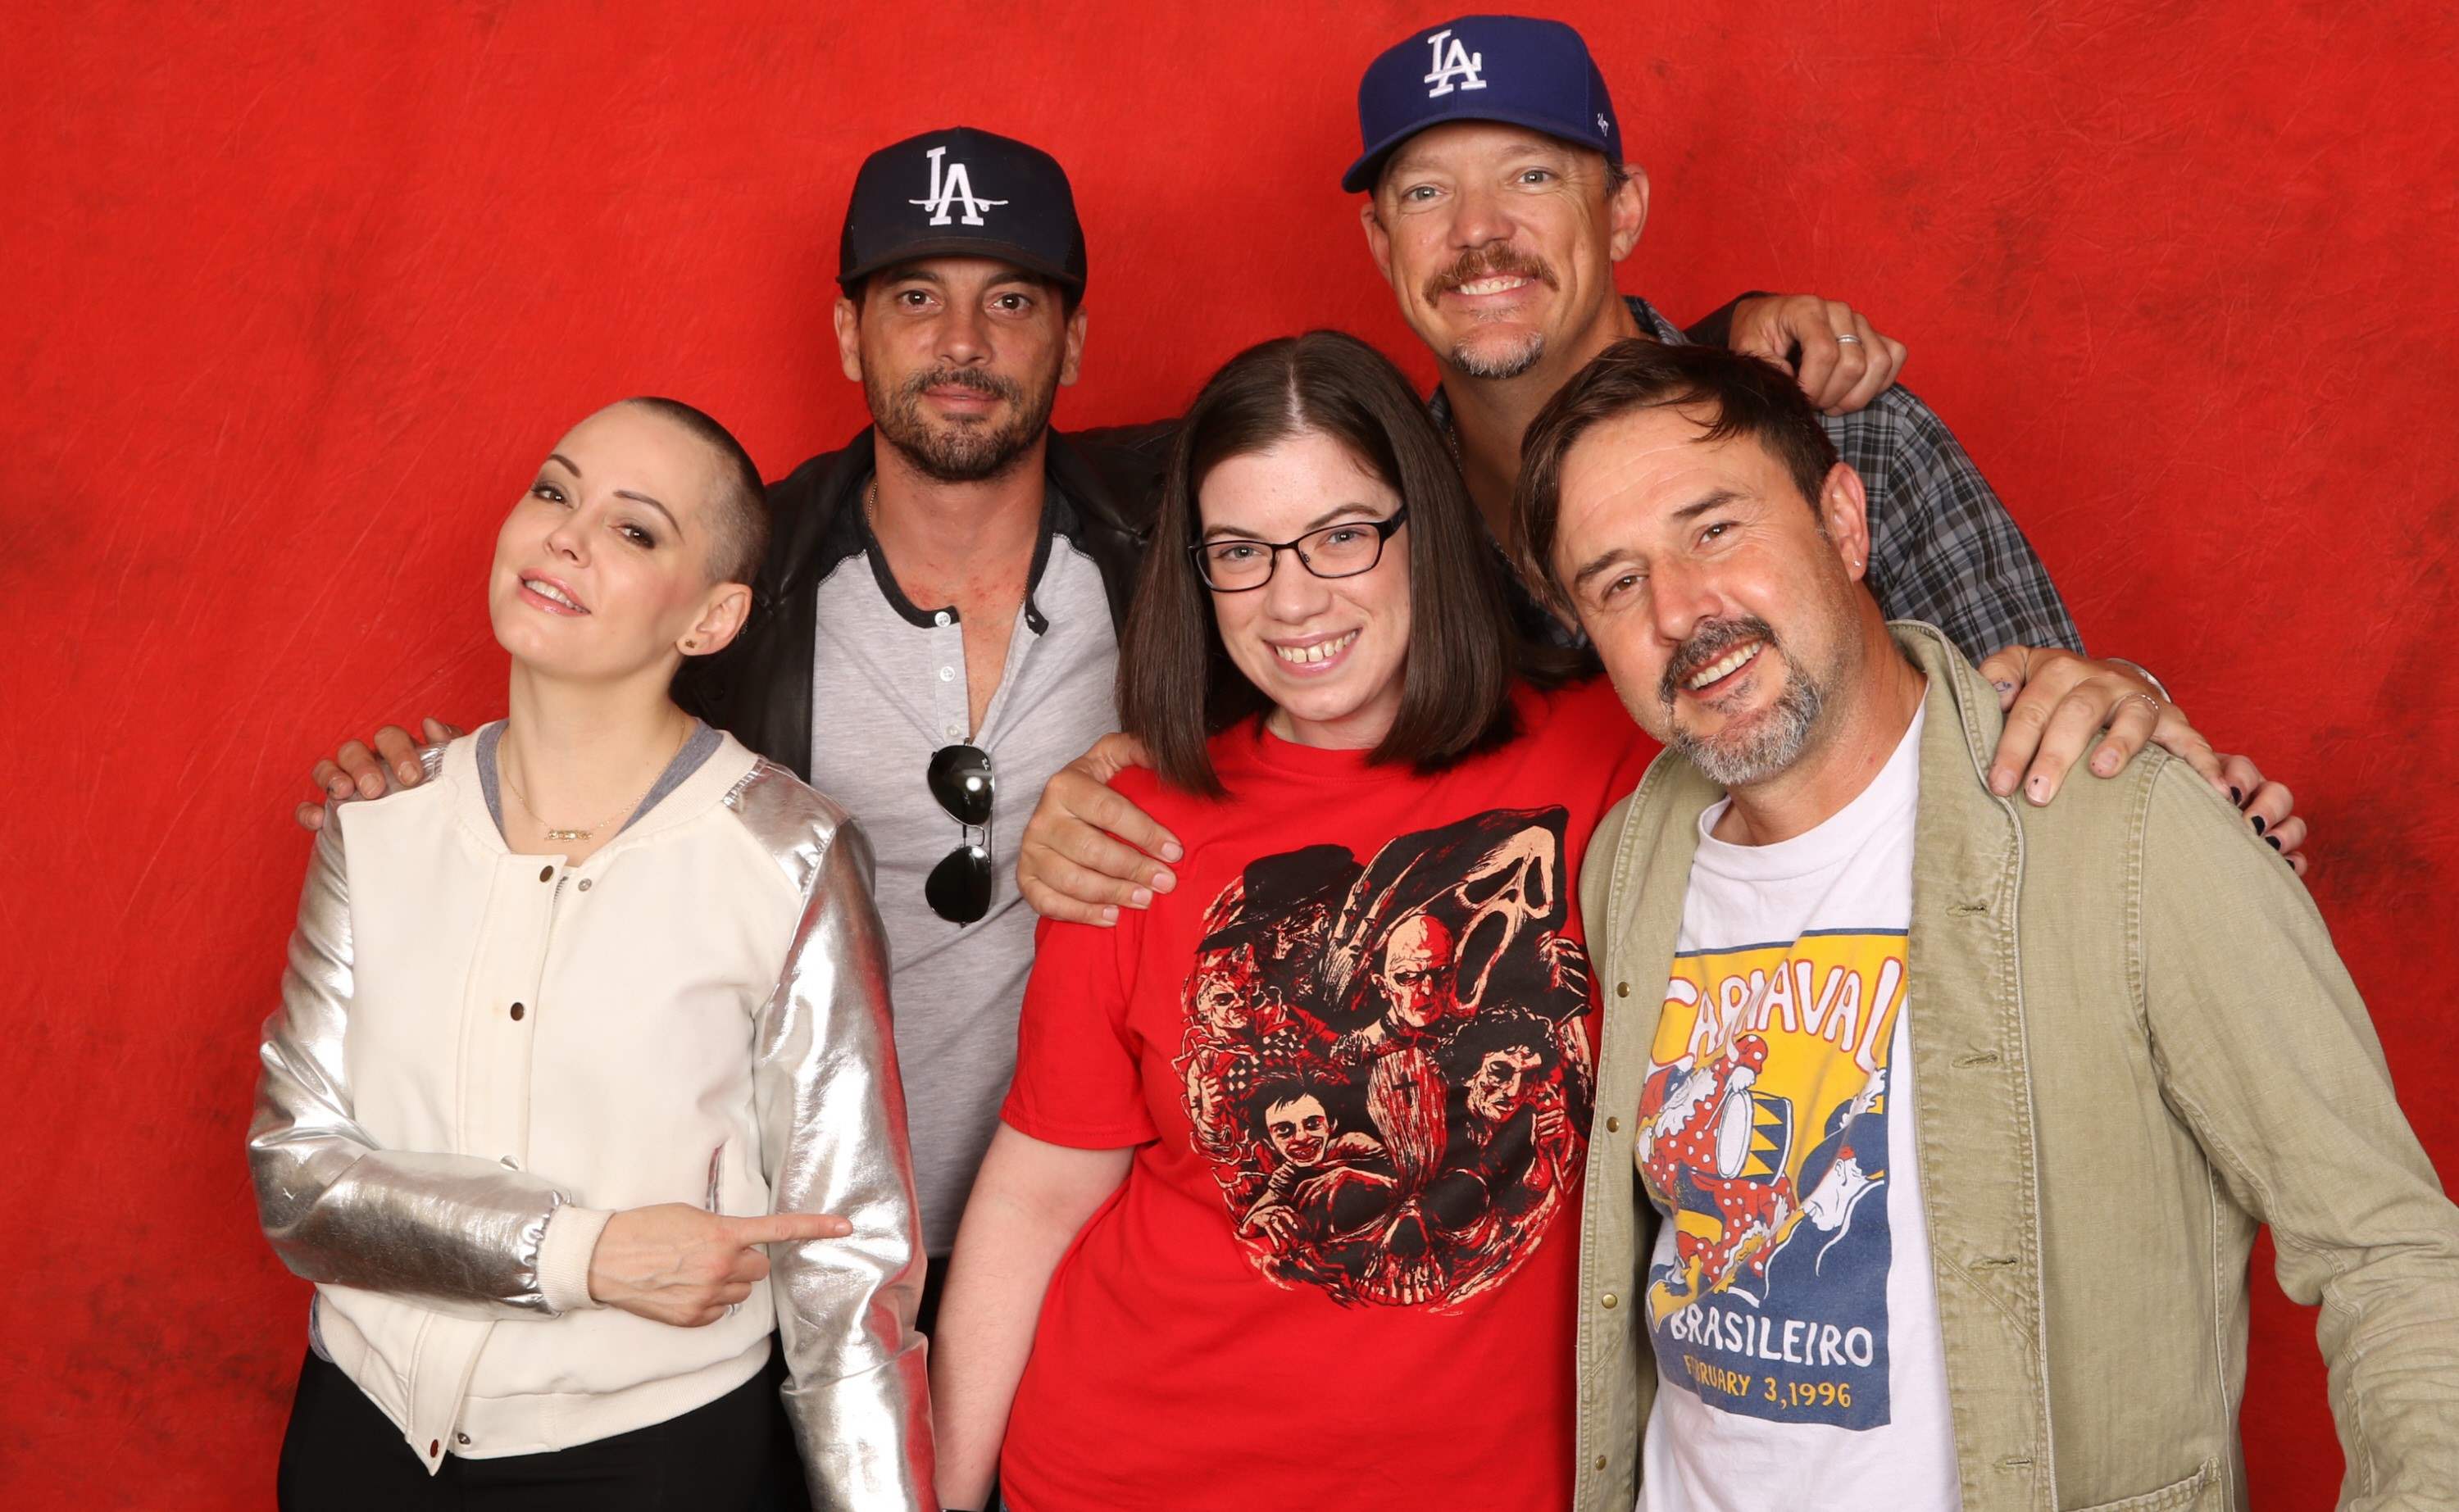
(1177, 685)
(1734, 396)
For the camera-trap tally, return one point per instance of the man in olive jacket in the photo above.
(1947, 1122)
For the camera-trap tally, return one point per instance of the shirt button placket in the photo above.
(950, 703)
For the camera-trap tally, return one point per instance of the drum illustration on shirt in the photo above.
(1387, 1062)
(1763, 1140)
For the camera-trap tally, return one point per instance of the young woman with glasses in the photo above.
(1283, 1205)
(584, 1045)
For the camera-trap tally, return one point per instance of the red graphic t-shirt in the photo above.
(1356, 1052)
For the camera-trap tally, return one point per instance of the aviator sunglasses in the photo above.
(958, 888)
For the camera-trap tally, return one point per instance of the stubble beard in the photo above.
(962, 451)
(1511, 361)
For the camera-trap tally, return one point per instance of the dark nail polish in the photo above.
(2272, 841)
(2235, 797)
(2257, 824)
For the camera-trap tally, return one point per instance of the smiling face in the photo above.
(961, 360)
(1723, 604)
(1300, 1129)
(1330, 653)
(602, 568)
(1500, 245)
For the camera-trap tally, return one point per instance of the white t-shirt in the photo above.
(1788, 1296)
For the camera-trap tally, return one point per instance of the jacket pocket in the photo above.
(2197, 1490)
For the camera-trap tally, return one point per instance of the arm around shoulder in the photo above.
(2265, 1049)
(1944, 549)
(831, 1115)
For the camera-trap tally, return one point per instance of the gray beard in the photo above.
(1500, 364)
(1774, 742)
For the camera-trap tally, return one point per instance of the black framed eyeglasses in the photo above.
(959, 889)
(1232, 564)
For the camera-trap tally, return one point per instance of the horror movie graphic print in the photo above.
(1386, 1061)
(1764, 1137)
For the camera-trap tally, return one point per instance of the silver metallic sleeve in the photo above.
(833, 1134)
(458, 1234)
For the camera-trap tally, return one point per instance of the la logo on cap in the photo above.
(1455, 67)
(955, 188)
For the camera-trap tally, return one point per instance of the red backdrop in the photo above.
(304, 291)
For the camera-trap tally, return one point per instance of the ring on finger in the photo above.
(1853, 341)
(2147, 699)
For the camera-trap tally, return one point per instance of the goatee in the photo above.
(964, 450)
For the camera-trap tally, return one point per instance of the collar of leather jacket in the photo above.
(1103, 485)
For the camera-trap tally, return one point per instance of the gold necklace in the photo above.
(567, 836)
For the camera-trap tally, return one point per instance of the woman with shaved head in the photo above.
(583, 1048)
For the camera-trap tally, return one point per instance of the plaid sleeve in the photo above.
(1941, 547)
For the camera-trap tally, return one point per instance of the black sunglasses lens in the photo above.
(958, 888)
(960, 779)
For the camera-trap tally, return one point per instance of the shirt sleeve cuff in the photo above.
(1123, 1135)
(564, 1255)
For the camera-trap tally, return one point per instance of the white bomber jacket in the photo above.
(480, 1056)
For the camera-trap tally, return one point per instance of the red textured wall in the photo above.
(300, 292)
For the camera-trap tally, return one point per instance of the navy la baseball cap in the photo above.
(962, 193)
(1516, 69)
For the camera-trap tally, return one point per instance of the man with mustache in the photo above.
(935, 629)
(1939, 1088)
(1498, 206)
(934, 634)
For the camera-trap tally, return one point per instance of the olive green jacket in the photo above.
(2133, 1044)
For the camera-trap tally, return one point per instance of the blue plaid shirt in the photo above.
(1941, 547)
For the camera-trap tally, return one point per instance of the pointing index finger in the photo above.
(787, 1228)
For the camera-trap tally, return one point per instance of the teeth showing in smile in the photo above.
(550, 592)
(1726, 665)
(1320, 651)
(1499, 285)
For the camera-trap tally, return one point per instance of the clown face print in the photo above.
(1763, 1139)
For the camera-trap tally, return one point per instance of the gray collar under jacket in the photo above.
(1103, 485)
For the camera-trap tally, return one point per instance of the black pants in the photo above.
(341, 1452)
